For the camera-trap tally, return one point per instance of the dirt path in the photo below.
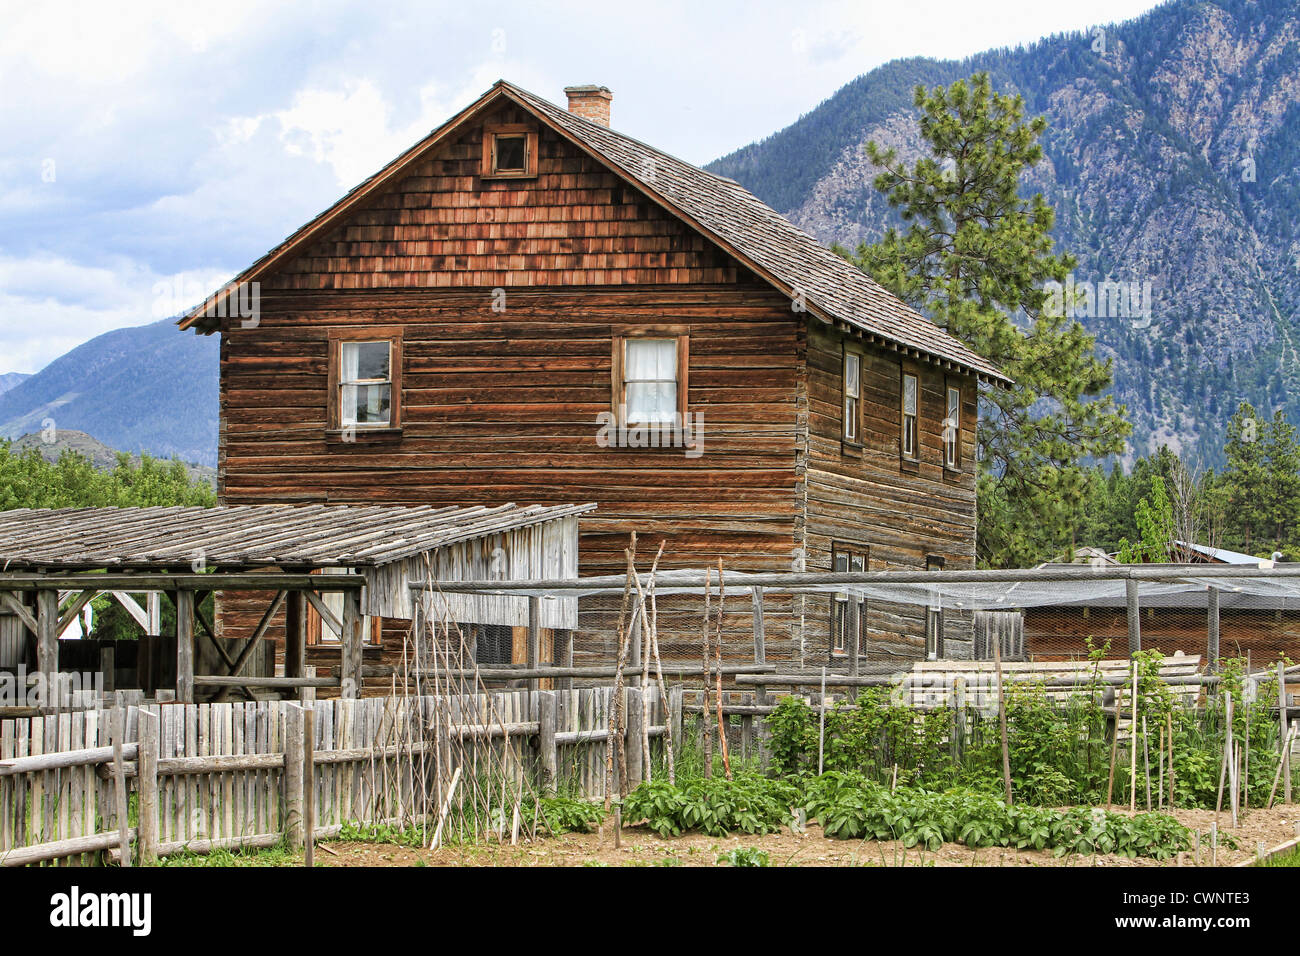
(641, 847)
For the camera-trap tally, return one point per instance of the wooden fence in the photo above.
(202, 776)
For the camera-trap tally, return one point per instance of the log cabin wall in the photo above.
(864, 496)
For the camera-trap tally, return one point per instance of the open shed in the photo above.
(323, 576)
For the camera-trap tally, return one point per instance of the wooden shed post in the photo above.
(147, 782)
(1134, 615)
(534, 636)
(632, 747)
(564, 655)
(185, 647)
(548, 755)
(1212, 631)
(351, 684)
(47, 645)
(293, 792)
(295, 633)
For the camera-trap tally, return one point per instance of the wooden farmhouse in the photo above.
(527, 306)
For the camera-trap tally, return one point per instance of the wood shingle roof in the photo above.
(721, 209)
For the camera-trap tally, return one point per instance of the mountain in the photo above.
(52, 445)
(1172, 156)
(9, 379)
(151, 388)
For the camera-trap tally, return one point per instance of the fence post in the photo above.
(1212, 631)
(307, 695)
(1134, 615)
(309, 784)
(147, 782)
(293, 775)
(632, 742)
(547, 753)
(119, 784)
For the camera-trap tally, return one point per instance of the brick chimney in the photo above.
(590, 102)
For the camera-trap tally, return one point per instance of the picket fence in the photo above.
(367, 759)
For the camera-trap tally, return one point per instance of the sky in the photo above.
(152, 150)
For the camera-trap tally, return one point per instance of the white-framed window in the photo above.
(366, 383)
(952, 428)
(844, 558)
(650, 377)
(911, 398)
(852, 394)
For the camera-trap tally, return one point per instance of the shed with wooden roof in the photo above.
(330, 575)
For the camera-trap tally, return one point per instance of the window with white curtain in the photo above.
(650, 381)
(852, 390)
(365, 383)
(908, 441)
(952, 429)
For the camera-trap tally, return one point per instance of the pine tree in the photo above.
(974, 256)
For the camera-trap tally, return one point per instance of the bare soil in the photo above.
(642, 847)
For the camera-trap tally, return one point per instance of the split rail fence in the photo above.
(200, 777)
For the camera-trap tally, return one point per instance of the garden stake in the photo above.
(1280, 764)
(1114, 752)
(1285, 756)
(618, 674)
(1146, 758)
(1133, 746)
(717, 657)
(821, 724)
(1169, 722)
(1002, 720)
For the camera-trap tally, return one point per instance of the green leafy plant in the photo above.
(745, 856)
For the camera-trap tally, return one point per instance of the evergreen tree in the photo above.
(974, 256)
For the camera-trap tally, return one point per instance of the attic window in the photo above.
(509, 151)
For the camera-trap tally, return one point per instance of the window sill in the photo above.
(491, 176)
(953, 474)
(851, 449)
(911, 465)
(337, 436)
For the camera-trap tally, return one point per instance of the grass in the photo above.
(1290, 858)
(279, 855)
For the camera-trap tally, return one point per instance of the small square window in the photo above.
(509, 151)
(510, 154)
